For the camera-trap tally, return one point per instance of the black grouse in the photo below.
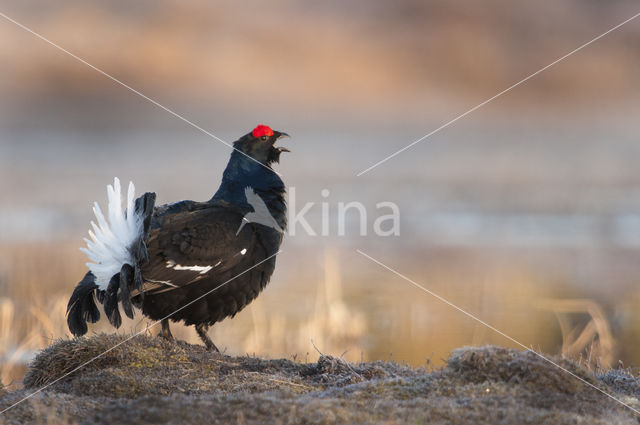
(198, 262)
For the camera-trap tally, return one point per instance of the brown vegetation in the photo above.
(358, 316)
(150, 380)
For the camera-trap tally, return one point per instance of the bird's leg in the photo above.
(166, 331)
(201, 328)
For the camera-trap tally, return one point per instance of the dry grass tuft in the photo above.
(593, 342)
(135, 364)
(67, 354)
(496, 364)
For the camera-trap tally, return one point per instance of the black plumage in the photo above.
(199, 262)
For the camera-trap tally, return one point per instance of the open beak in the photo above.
(282, 135)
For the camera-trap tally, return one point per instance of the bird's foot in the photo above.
(202, 333)
(166, 331)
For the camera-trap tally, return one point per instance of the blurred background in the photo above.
(525, 213)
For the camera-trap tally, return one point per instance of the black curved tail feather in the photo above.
(144, 206)
(111, 301)
(126, 283)
(82, 306)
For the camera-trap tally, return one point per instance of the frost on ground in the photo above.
(149, 381)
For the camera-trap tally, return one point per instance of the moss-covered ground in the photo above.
(149, 381)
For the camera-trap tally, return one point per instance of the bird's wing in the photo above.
(192, 245)
(163, 212)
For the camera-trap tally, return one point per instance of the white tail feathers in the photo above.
(109, 247)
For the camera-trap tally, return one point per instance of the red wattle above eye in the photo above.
(262, 130)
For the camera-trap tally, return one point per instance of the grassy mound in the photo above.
(495, 364)
(149, 380)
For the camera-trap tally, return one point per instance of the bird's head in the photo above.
(260, 144)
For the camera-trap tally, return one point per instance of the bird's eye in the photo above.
(264, 137)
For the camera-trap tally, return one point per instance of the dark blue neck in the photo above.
(243, 172)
